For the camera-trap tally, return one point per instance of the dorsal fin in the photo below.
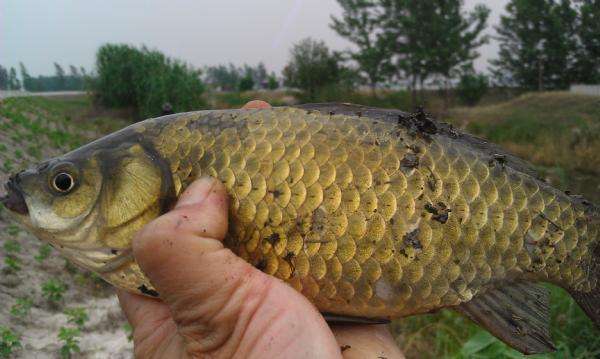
(516, 313)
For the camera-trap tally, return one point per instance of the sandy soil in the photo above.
(104, 335)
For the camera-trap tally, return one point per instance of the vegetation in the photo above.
(145, 80)
(53, 290)
(9, 342)
(22, 307)
(471, 88)
(312, 67)
(9, 79)
(539, 41)
(77, 316)
(61, 81)
(70, 340)
(359, 24)
(43, 253)
(232, 78)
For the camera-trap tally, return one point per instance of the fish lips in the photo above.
(14, 199)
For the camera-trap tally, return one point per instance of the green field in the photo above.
(558, 132)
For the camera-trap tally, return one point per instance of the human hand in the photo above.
(214, 304)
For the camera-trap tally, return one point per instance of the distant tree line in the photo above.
(9, 79)
(544, 45)
(233, 78)
(74, 80)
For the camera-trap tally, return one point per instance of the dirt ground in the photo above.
(26, 136)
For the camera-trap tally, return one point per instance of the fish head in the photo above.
(90, 203)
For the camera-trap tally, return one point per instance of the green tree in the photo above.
(359, 24)
(312, 66)
(588, 31)
(537, 41)
(272, 82)
(224, 77)
(28, 84)
(472, 87)
(247, 82)
(61, 81)
(3, 78)
(432, 37)
(145, 79)
(13, 80)
(455, 35)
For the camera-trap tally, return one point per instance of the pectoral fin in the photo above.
(516, 313)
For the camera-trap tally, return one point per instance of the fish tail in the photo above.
(589, 300)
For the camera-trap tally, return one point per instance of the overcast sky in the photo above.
(200, 32)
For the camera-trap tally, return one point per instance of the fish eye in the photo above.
(63, 182)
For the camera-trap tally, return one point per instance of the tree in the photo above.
(225, 77)
(272, 82)
(61, 81)
(28, 82)
(360, 25)
(472, 87)
(3, 78)
(259, 75)
(145, 80)
(13, 80)
(588, 31)
(456, 36)
(537, 40)
(432, 37)
(247, 82)
(311, 67)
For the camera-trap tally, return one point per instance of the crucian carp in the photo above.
(371, 214)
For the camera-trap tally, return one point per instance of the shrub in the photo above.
(43, 253)
(471, 88)
(53, 290)
(145, 79)
(69, 337)
(21, 308)
(9, 342)
(77, 316)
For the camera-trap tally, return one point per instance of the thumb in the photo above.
(205, 285)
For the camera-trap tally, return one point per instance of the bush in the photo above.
(471, 88)
(53, 290)
(145, 79)
(312, 67)
(246, 83)
(9, 342)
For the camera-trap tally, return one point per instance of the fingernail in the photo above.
(196, 192)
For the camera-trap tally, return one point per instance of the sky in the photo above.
(200, 32)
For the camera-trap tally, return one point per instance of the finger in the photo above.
(201, 210)
(366, 341)
(140, 309)
(256, 104)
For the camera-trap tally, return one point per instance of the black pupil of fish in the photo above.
(63, 182)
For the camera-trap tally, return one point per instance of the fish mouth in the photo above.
(14, 200)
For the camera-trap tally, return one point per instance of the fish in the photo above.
(372, 214)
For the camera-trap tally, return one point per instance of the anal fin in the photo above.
(516, 313)
(346, 319)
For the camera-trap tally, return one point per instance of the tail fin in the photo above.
(590, 301)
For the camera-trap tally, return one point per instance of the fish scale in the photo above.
(325, 202)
